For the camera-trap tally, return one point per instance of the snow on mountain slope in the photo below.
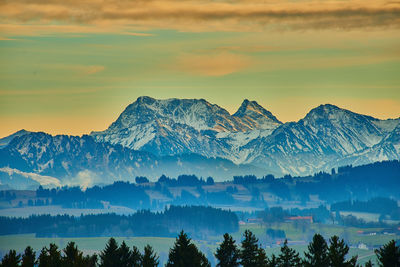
(183, 136)
(176, 126)
(387, 149)
(62, 160)
(6, 140)
(256, 117)
(252, 135)
(342, 130)
(326, 135)
(40, 179)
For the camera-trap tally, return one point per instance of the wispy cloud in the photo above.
(205, 15)
(212, 64)
(91, 69)
(41, 179)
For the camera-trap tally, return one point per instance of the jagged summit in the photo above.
(196, 113)
(173, 126)
(6, 140)
(331, 111)
(328, 136)
(253, 111)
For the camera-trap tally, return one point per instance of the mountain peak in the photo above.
(6, 140)
(145, 99)
(327, 107)
(252, 110)
(332, 112)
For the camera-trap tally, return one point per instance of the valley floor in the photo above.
(296, 235)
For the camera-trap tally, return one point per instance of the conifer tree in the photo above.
(150, 258)
(90, 260)
(261, 258)
(125, 255)
(50, 257)
(110, 256)
(136, 257)
(227, 253)
(72, 256)
(337, 253)
(185, 254)
(273, 262)
(389, 255)
(249, 251)
(29, 257)
(11, 259)
(43, 259)
(317, 255)
(288, 257)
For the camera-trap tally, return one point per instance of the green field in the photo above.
(90, 245)
(294, 233)
(304, 232)
(86, 244)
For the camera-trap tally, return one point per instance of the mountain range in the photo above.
(192, 136)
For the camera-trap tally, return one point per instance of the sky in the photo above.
(71, 67)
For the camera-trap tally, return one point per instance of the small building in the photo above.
(254, 220)
(300, 218)
(362, 246)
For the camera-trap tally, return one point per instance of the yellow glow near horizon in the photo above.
(72, 67)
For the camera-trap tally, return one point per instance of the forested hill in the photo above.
(196, 220)
(380, 179)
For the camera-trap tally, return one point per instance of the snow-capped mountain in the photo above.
(176, 126)
(192, 136)
(252, 135)
(256, 117)
(40, 158)
(6, 140)
(326, 135)
(387, 149)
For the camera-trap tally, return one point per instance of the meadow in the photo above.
(161, 245)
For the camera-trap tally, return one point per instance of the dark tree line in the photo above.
(348, 183)
(379, 205)
(361, 182)
(119, 193)
(198, 220)
(185, 253)
(319, 254)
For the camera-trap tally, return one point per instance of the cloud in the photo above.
(92, 69)
(24, 29)
(78, 69)
(204, 15)
(84, 179)
(41, 179)
(212, 64)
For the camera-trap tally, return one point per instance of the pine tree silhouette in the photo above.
(29, 257)
(11, 259)
(288, 257)
(150, 258)
(389, 255)
(72, 256)
(227, 253)
(125, 255)
(317, 255)
(110, 256)
(136, 257)
(262, 259)
(50, 257)
(337, 253)
(250, 249)
(185, 254)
